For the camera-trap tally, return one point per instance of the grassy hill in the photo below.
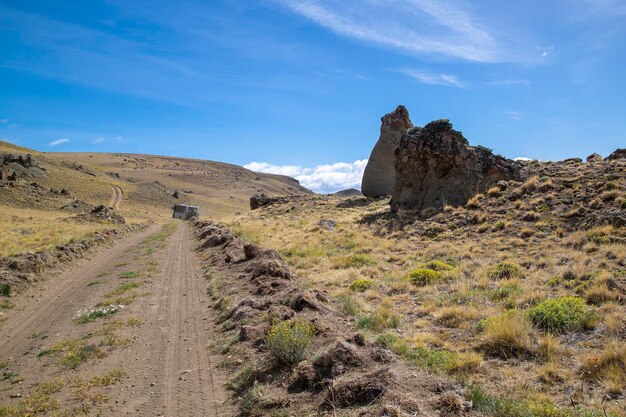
(36, 210)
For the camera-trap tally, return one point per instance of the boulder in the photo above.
(259, 200)
(619, 153)
(380, 175)
(594, 157)
(435, 165)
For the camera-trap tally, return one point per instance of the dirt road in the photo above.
(156, 343)
(116, 197)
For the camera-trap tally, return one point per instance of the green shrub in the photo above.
(243, 380)
(360, 285)
(350, 305)
(561, 315)
(505, 270)
(5, 290)
(436, 265)
(289, 341)
(129, 274)
(423, 276)
(382, 318)
(358, 261)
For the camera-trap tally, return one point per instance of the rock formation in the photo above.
(379, 176)
(619, 153)
(435, 165)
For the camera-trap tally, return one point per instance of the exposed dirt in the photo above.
(159, 339)
(116, 197)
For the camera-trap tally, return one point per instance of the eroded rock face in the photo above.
(380, 175)
(617, 154)
(435, 165)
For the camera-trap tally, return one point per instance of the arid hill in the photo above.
(519, 294)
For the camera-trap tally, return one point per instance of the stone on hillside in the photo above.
(380, 175)
(619, 153)
(435, 165)
(594, 157)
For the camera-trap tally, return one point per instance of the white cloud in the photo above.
(322, 178)
(289, 170)
(523, 159)
(513, 115)
(509, 83)
(546, 51)
(4, 121)
(433, 79)
(9, 140)
(415, 26)
(58, 142)
(98, 140)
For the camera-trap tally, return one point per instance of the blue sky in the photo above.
(299, 86)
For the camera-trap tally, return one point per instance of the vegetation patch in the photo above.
(505, 270)
(508, 335)
(129, 274)
(437, 265)
(423, 276)
(122, 289)
(289, 341)
(360, 285)
(5, 290)
(562, 315)
(95, 313)
(357, 261)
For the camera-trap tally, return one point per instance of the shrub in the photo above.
(382, 318)
(561, 315)
(5, 290)
(607, 366)
(474, 202)
(505, 270)
(436, 265)
(289, 341)
(243, 380)
(360, 285)
(350, 305)
(358, 261)
(423, 276)
(507, 335)
(129, 274)
(493, 191)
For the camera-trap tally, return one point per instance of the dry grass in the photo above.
(37, 230)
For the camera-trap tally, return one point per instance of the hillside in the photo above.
(39, 194)
(518, 294)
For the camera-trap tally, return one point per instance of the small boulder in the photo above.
(594, 157)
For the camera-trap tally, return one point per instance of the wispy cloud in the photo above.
(508, 83)
(415, 26)
(4, 121)
(512, 114)
(431, 78)
(58, 142)
(545, 51)
(98, 140)
(322, 178)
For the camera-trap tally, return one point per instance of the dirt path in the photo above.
(116, 197)
(164, 353)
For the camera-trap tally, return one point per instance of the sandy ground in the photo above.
(169, 368)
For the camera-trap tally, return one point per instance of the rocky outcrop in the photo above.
(594, 157)
(380, 175)
(619, 153)
(435, 165)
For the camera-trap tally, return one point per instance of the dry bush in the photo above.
(507, 336)
(530, 184)
(608, 365)
(474, 202)
(493, 191)
(456, 315)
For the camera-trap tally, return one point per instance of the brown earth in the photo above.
(159, 341)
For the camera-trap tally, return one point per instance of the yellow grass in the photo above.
(36, 230)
